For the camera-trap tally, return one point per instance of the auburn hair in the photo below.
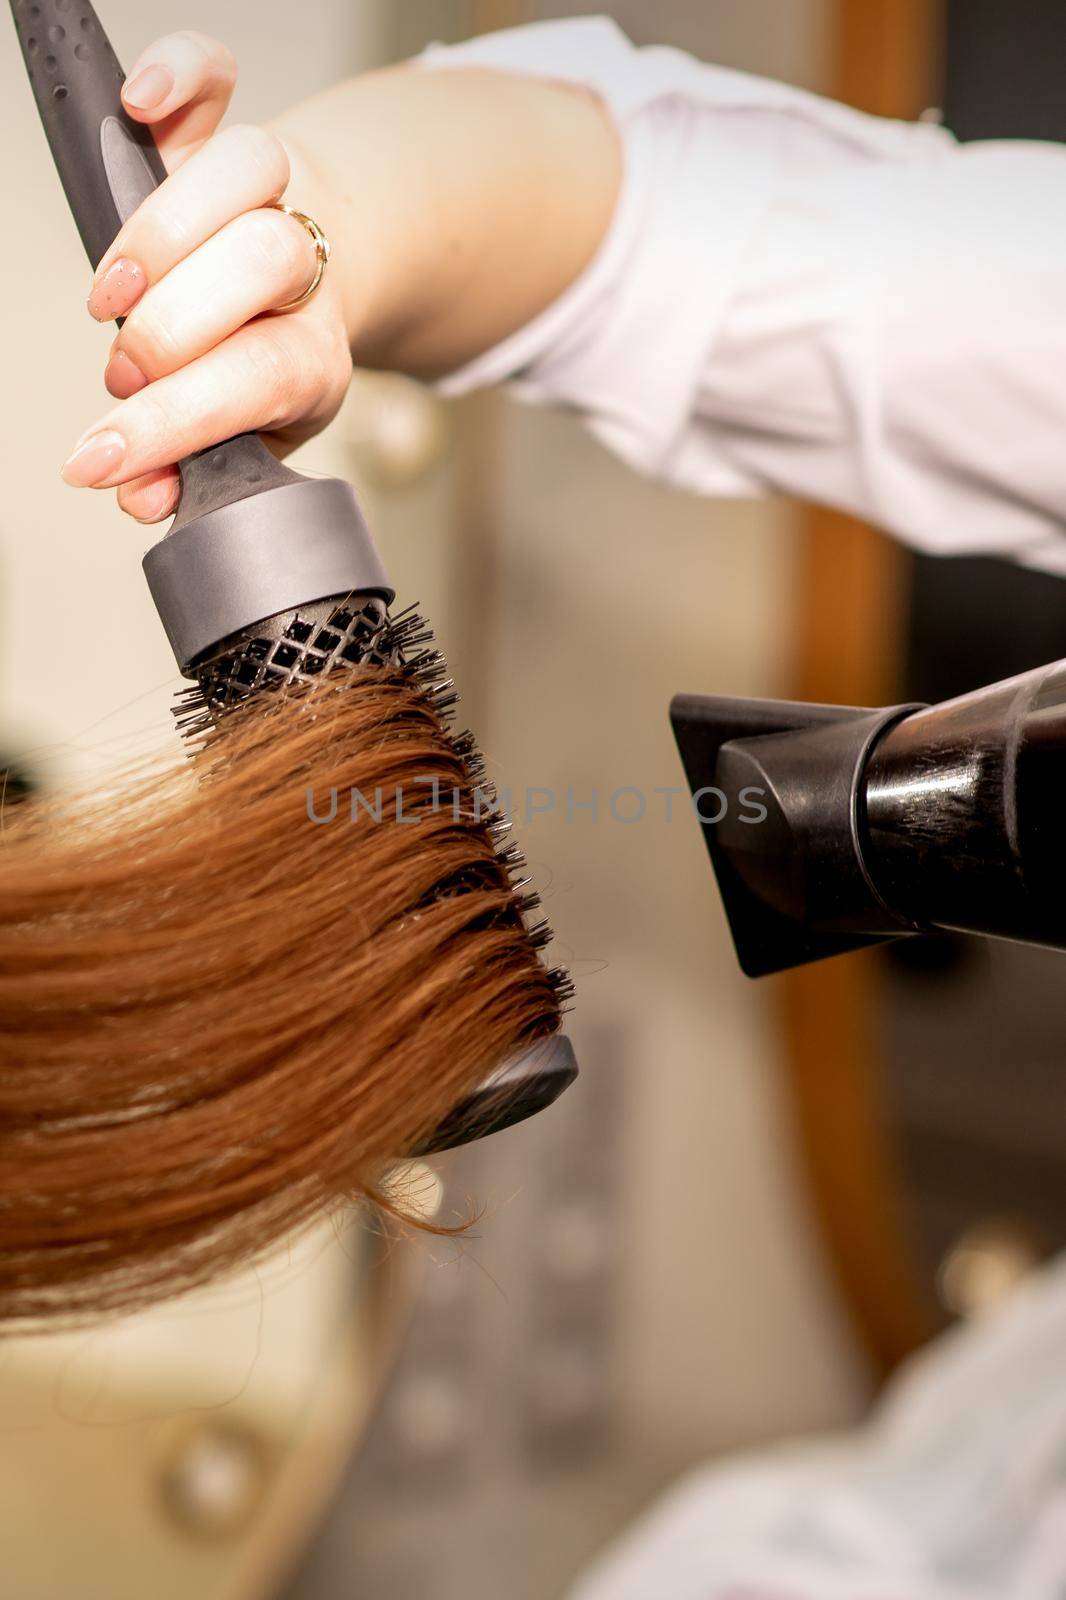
(238, 991)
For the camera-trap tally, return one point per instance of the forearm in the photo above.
(459, 204)
(783, 293)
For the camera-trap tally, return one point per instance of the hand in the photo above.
(195, 271)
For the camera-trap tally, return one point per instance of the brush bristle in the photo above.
(304, 646)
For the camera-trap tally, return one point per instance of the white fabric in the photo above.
(955, 1491)
(796, 297)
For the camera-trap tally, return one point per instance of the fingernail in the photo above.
(148, 89)
(123, 377)
(117, 289)
(94, 459)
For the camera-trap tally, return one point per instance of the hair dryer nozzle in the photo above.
(776, 787)
(831, 827)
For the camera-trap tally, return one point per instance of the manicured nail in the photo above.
(123, 377)
(94, 459)
(117, 289)
(148, 89)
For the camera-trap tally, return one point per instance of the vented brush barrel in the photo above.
(833, 827)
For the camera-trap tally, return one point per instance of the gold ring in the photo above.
(322, 252)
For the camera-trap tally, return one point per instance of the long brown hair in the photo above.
(229, 1002)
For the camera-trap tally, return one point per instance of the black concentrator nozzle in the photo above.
(831, 828)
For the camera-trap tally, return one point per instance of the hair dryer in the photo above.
(831, 827)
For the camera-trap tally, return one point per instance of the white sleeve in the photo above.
(793, 296)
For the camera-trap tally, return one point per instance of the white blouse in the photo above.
(795, 297)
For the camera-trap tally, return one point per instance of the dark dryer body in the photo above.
(832, 827)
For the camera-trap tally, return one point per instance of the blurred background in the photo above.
(760, 1197)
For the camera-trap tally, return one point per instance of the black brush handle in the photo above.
(108, 164)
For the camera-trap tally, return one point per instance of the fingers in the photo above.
(285, 375)
(152, 497)
(261, 260)
(198, 260)
(181, 85)
(240, 169)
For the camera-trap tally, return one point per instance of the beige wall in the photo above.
(609, 596)
(583, 598)
(615, 594)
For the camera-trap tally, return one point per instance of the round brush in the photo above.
(266, 578)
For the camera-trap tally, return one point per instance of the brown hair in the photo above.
(229, 1002)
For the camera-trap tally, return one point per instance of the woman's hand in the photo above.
(194, 271)
(458, 203)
